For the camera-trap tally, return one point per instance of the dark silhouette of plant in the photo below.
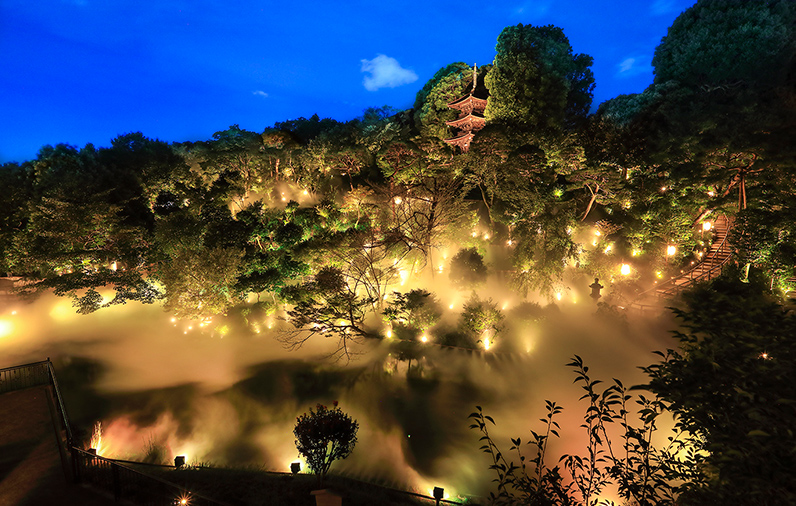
(323, 436)
(642, 473)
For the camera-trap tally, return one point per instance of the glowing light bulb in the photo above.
(389, 334)
(509, 242)
(711, 193)
(671, 250)
(305, 192)
(558, 295)
(625, 269)
(486, 344)
(424, 338)
(607, 249)
(398, 200)
(706, 226)
(486, 236)
(635, 252)
(475, 234)
(450, 307)
(5, 328)
(658, 274)
(597, 233)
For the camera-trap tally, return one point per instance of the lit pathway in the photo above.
(710, 267)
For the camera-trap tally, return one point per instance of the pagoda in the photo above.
(471, 116)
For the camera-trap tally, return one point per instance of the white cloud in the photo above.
(385, 72)
(633, 66)
(260, 93)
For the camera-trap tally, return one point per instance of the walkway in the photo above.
(31, 469)
(710, 267)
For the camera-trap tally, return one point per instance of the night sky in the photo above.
(80, 71)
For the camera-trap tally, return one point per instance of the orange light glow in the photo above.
(671, 250)
(625, 270)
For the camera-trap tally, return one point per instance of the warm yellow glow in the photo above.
(658, 274)
(486, 343)
(765, 356)
(6, 328)
(711, 193)
(625, 269)
(671, 250)
(597, 233)
(663, 188)
(450, 307)
(96, 438)
(486, 236)
(14, 312)
(607, 249)
(594, 243)
(424, 338)
(475, 234)
(706, 226)
(397, 200)
(389, 333)
(113, 266)
(305, 192)
(558, 295)
(509, 242)
(635, 252)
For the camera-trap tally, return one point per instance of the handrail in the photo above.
(670, 286)
(60, 401)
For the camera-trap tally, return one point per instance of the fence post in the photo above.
(117, 484)
(75, 465)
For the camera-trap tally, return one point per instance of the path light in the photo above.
(439, 493)
(671, 250)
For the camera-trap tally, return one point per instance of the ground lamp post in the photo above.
(439, 492)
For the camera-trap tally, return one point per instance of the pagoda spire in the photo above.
(471, 116)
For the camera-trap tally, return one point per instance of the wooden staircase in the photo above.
(710, 267)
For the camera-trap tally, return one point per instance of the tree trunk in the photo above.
(591, 202)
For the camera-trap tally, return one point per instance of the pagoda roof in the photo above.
(474, 119)
(463, 141)
(468, 102)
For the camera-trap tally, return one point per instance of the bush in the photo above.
(323, 436)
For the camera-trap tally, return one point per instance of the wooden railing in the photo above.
(709, 268)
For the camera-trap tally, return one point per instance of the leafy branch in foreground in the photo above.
(627, 460)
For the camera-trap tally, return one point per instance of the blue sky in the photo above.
(79, 71)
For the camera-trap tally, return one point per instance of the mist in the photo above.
(222, 393)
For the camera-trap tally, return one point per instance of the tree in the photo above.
(468, 268)
(323, 436)
(732, 384)
(325, 305)
(537, 82)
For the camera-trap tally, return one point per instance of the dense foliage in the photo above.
(319, 221)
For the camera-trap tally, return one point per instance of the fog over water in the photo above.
(223, 394)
